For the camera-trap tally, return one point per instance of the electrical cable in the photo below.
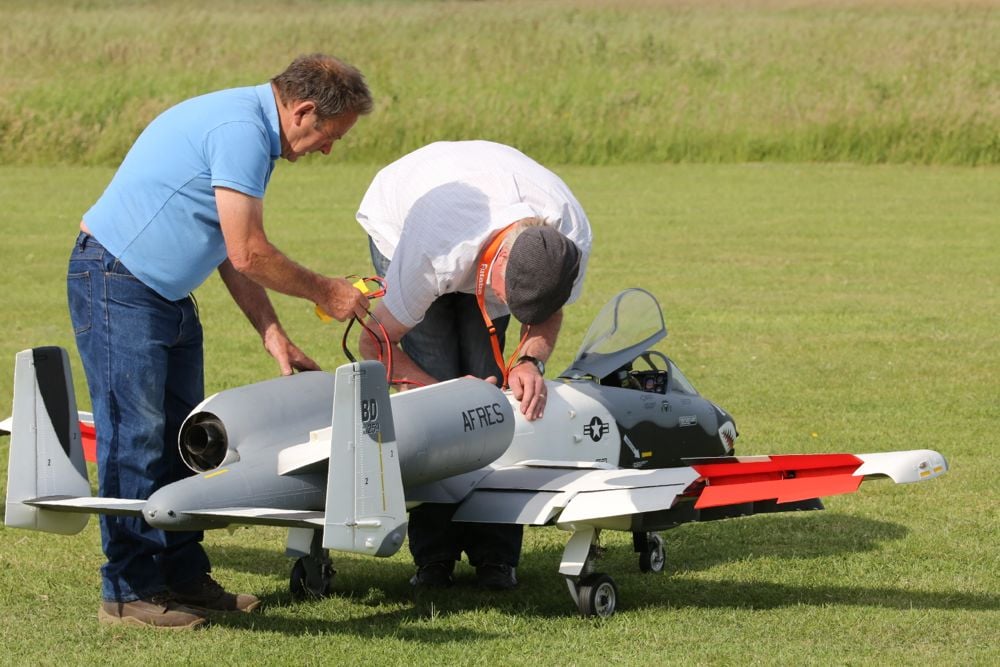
(384, 351)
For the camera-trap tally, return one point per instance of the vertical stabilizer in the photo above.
(46, 452)
(365, 508)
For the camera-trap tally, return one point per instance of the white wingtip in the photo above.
(903, 467)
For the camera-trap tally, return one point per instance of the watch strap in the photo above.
(538, 363)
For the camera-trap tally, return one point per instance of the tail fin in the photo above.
(365, 507)
(46, 452)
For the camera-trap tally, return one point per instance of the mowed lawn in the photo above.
(827, 307)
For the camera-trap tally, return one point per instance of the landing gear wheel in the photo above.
(311, 579)
(653, 558)
(597, 595)
(312, 575)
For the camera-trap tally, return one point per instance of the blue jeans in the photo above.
(144, 364)
(450, 342)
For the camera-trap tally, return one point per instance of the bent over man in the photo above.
(186, 201)
(467, 233)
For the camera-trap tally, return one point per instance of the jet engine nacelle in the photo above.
(441, 430)
(233, 423)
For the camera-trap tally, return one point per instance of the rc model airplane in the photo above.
(626, 443)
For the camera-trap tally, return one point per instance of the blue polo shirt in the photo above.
(158, 214)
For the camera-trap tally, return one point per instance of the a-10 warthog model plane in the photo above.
(626, 444)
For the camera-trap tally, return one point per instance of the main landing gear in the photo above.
(312, 575)
(596, 593)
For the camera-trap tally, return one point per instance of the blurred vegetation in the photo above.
(567, 81)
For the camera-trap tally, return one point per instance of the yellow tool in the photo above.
(323, 315)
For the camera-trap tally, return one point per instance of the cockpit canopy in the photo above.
(627, 326)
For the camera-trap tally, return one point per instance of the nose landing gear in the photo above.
(652, 556)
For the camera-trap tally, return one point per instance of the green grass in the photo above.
(828, 307)
(568, 81)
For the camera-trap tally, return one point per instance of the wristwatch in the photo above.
(539, 364)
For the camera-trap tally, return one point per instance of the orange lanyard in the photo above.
(486, 258)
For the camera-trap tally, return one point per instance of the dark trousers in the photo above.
(450, 342)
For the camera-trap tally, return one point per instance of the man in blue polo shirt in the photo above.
(187, 200)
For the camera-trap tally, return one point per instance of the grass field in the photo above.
(828, 307)
(810, 187)
(569, 81)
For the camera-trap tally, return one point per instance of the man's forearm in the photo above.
(542, 337)
(270, 268)
(250, 253)
(250, 297)
(403, 367)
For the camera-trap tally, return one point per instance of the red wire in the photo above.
(384, 353)
(388, 354)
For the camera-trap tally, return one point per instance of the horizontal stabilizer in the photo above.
(256, 516)
(263, 516)
(88, 505)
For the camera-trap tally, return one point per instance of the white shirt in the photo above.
(433, 211)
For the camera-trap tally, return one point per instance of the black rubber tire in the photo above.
(297, 580)
(298, 583)
(597, 595)
(654, 558)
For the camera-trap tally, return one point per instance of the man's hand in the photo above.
(528, 387)
(344, 300)
(289, 357)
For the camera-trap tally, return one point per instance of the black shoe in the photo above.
(434, 575)
(496, 577)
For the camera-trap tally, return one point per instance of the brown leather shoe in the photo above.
(155, 612)
(205, 594)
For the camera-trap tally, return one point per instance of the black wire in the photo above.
(378, 341)
(343, 341)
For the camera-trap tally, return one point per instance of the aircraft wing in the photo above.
(540, 492)
(563, 493)
(793, 477)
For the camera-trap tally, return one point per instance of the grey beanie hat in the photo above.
(541, 268)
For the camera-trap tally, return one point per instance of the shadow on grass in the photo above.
(368, 587)
(400, 624)
(775, 536)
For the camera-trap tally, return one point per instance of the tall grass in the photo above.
(568, 81)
